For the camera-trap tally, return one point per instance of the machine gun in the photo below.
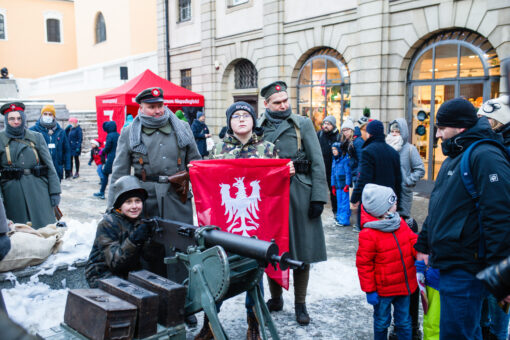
(221, 265)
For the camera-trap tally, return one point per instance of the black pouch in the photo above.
(302, 166)
(40, 171)
(11, 173)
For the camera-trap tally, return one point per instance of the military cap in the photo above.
(14, 106)
(274, 87)
(150, 95)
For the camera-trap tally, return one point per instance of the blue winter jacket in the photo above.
(358, 147)
(110, 148)
(58, 145)
(199, 130)
(340, 168)
(75, 136)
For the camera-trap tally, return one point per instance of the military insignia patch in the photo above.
(155, 92)
(493, 178)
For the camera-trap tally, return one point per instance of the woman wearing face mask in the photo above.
(29, 183)
(56, 139)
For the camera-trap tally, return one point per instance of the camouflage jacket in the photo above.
(113, 253)
(231, 148)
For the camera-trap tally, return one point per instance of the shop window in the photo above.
(186, 78)
(3, 35)
(100, 28)
(245, 75)
(53, 30)
(184, 10)
(323, 88)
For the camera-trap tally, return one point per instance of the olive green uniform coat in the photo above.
(306, 235)
(161, 159)
(28, 199)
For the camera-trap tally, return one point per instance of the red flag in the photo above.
(249, 197)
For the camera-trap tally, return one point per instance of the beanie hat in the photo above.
(375, 128)
(497, 109)
(457, 113)
(347, 124)
(199, 114)
(240, 106)
(394, 126)
(365, 118)
(140, 193)
(48, 108)
(330, 119)
(73, 120)
(377, 199)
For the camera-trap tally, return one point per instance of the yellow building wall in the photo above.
(144, 35)
(25, 52)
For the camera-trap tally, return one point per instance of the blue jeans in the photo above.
(461, 295)
(497, 319)
(382, 317)
(249, 303)
(100, 171)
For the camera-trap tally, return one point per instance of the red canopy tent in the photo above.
(119, 102)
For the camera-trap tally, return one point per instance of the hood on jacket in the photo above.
(109, 126)
(357, 132)
(402, 126)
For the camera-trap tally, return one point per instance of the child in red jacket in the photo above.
(385, 261)
(97, 156)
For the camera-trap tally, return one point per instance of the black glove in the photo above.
(316, 209)
(69, 174)
(89, 163)
(497, 279)
(140, 234)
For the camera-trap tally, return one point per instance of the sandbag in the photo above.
(30, 247)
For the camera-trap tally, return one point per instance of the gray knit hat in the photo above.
(347, 124)
(330, 119)
(377, 199)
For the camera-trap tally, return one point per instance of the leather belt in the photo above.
(158, 179)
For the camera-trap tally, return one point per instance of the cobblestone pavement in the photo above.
(336, 305)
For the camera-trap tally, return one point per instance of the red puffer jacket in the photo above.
(385, 261)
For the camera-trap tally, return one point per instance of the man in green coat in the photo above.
(29, 183)
(295, 138)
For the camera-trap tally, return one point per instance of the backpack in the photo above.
(469, 184)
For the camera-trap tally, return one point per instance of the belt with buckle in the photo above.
(158, 179)
(27, 171)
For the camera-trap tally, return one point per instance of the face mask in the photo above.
(47, 119)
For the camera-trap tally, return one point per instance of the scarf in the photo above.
(387, 225)
(15, 132)
(276, 117)
(396, 142)
(184, 135)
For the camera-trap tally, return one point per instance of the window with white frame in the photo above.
(53, 27)
(184, 10)
(3, 24)
(237, 2)
(100, 28)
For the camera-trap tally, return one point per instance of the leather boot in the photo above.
(205, 333)
(275, 305)
(253, 328)
(302, 316)
(191, 320)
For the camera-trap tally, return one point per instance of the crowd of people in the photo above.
(368, 169)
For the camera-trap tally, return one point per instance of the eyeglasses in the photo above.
(238, 117)
(490, 107)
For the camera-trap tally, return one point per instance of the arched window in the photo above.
(3, 34)
(450, 64)
(53, 26)
(100, 28)
(324, 87)
(245, 75)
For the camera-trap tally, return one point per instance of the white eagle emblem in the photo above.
(242, 207)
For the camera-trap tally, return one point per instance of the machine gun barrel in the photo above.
(286, 262)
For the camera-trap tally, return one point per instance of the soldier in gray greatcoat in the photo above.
(295, 138)
(157, 145)
(29, 183)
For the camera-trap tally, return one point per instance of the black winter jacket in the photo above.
(504, 132)
(450, 234)
(380, 164)
(110, 147)
(326, 140)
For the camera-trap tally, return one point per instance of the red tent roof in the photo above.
(174, 95)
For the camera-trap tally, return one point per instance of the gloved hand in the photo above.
(140, 234)
(55, 199)
(373, 298)
(69, 174)
(432, 278)
(315, 209)
(89, 163)
(333, 190)
(420, 266)
(346, 188)
(78, 151)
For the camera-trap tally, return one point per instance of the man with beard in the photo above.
(157, 145)
(294, 137)
(327, 136)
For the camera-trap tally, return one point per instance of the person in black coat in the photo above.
(327, 136)
(75, 137)
(110, 148)
(201, 133)
(452, 239)
(380, 164)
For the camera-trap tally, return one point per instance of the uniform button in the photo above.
(277, 140)
(160, 144)
(164, 157)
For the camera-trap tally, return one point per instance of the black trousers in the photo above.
(76, 160)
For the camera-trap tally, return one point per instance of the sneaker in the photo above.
(275, 305)
(302, 316)
(99, 195)
(356, 228)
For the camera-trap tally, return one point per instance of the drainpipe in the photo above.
(167, 43)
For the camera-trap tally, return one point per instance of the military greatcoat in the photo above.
(306, 235)
(28, 199)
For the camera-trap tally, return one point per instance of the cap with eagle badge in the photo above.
(14, 106)
(150, 95)
(275, 87)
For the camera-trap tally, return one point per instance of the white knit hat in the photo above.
(377, 199)
(347, 124)
(497, 109)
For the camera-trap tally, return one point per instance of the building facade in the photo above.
(338, 57)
